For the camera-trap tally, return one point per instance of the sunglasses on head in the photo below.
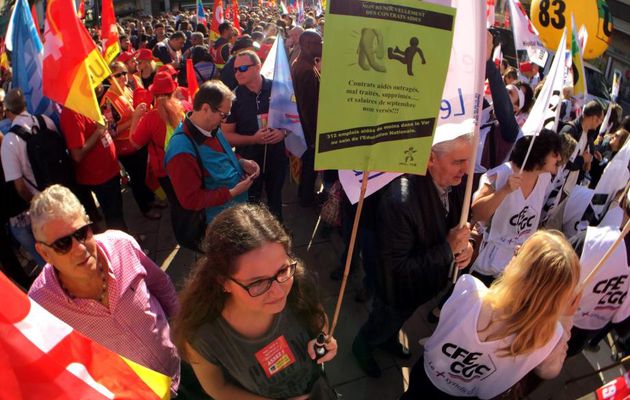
(64, 244)
(119, 74)
(243, 68)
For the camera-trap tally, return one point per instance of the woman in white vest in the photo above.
(605, 304)
(509, 202)
(490, 338)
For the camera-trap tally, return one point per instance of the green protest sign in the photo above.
(383, 73)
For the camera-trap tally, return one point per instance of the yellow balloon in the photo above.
(550, 17)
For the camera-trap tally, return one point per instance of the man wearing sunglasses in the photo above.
(246, 128)
(103, 285)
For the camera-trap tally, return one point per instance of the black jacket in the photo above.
(415, 256)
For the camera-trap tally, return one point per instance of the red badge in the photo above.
(275, 356)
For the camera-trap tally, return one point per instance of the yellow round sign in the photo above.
(551, 17)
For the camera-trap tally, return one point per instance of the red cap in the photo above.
(163, 83)
(525, 66)
(124, 57)
(141, 95)
(144, 54)
(169, 69)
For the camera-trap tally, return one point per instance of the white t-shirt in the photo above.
(15, 161)
(605, 299)
(513, 222)
(459, 364)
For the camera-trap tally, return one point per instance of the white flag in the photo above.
(525, 35)
(351, 182)
(546, 109)
(463, 92)
(283, 112)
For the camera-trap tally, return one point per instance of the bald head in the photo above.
(311, 44)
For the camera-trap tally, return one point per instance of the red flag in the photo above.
(111, 45)
(217, 19)
(237, 22)
(81, 11)
(193, 86)
(42, 357)
(73, 66)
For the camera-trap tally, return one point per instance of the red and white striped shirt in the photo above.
(141, 300)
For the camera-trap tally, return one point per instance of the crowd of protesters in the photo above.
(248, 317)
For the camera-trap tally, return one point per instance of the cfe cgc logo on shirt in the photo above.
(613, 292)
(467, 365)
(523, 221)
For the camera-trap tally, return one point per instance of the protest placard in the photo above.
(378, 109)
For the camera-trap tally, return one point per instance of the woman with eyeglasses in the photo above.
(250, 313)
(117, 106)
(488, 339)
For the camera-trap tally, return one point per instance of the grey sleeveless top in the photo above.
(260, 365)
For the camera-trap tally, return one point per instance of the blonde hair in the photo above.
(533, 292)
(170, 110)
(55, 202)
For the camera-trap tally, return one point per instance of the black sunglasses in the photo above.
(261, 286)
(119, 74)
(243, 68)
(64, 244)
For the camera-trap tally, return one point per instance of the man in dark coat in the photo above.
(419, 241)
(306, 83)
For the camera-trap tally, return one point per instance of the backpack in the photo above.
(47, 152)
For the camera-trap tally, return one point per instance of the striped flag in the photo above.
(23, 40)
(201, 14)
(283, 8)
(111, 44)
(73, 66)
(42, 357)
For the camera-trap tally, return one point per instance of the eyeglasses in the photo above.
(243, 68)
(224, 115)
(119, 74)
(64, 244)
(261, 286)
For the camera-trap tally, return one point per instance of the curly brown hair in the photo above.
(231, 234)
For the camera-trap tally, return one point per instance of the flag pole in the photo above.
(481, 68)
(607, 255)
(346, 270)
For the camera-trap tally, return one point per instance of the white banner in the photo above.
(525, 35)
(463, 91)
(546, 109)
(351, 182)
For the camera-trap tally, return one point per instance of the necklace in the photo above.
(102, 294)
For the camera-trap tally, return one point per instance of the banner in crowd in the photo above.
(110, 42)
(42, 357)
(73, 65)
(616, 84)
(217, 19)
(546, 109)
(283, 112)
(461, 99)
(22, 39)
(379, 104)
(201, 13)
(525, 35)
(577, 67)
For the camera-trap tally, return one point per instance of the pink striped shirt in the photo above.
(141, 300)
